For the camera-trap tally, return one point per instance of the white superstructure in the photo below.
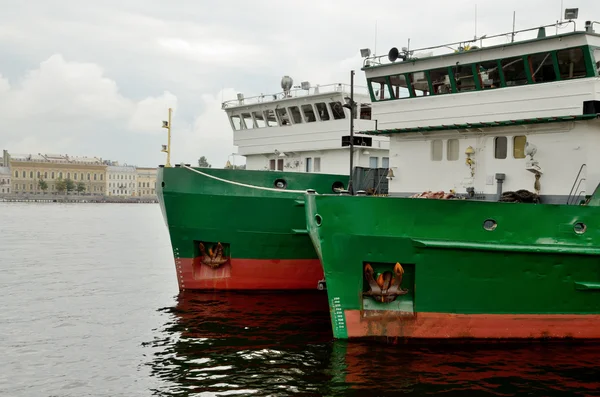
(305, 129)
(483, 120)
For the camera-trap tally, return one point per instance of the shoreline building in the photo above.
(120, 179)
(146, 181)
(28, 171)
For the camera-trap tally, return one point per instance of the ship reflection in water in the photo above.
(281, 345)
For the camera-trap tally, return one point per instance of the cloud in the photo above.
(62, 106)
(96, 78)
(210, 134)
(149, 113)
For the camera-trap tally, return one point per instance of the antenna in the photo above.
(513, 31)
(475, 37)
(561, 10)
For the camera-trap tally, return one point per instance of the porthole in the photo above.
(579, 228)
(489, 224)
(280, 183)
(318, 219)
(337, 186)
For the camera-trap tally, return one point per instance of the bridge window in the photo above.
(248, 123)
(296, 116)
(571, 64)
(440, 81)
(500, 147)
(373, 162)
(452, 150)
(379, 89)
(489, 74)
(436, 150)
(236, 122)
(385, 162)
(519, 142)
(542, 67)
(365, 111)
(309, 113)
(597, 60)
(270, 117)
(282, 116)
(399, 86)
(322, 110)
(420, 85)
(337, 110)
(514, 71)
(463, 76)
(259, 118)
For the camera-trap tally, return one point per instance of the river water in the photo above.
(90, 307)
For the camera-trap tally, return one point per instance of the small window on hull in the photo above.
(308, 164)
(519, 146)
(500, 147)
(317, 164)
(452, 150)
(436, 150)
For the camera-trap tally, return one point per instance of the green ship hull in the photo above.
(228, 236)
(465, 269)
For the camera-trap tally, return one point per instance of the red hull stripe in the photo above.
(250, 274)
(478, 326)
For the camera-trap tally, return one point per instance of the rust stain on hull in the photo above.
(471, 326)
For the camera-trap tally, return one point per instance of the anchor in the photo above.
(388, 285)
(213, 259)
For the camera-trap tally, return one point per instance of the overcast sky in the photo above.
(95, 78)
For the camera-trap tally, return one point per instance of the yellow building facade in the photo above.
(146, 182)
(28, 170)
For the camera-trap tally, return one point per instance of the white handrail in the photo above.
(244, 184)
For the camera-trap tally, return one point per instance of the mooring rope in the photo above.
(244, 184)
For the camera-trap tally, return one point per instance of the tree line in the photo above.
(63, 185)
(203, 163)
